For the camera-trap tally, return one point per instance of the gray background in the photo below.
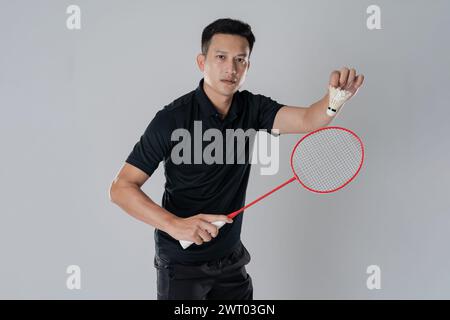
(73, 104)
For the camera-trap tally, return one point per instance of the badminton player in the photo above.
(195, 195)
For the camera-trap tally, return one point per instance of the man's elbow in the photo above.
(117, 188)
(113, 191)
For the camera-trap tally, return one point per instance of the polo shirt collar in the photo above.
(208, 108)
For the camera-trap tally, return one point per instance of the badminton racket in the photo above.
(323, 161)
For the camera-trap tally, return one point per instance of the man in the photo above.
(197, 194)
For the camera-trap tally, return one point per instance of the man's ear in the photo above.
(248, 65)
(201, 61)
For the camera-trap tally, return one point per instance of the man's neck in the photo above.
(220, 102)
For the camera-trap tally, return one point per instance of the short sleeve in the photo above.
(154, 145)
(267, 110)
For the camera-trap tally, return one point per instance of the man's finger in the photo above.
(334, 78)
(198, 240)
(206, 237)
(359, 81)
(343, 77)
(216, 217)
(351, 78)
(212, 229)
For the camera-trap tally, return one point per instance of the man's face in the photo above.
(227, 59)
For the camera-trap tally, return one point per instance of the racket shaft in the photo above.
(235, 213)
(185, 244)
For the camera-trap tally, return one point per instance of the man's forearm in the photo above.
(316, 115)
(137, 204)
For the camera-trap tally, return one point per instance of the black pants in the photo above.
(224, 279)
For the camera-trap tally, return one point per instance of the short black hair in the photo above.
(227, 26)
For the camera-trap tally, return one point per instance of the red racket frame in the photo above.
(295, 177)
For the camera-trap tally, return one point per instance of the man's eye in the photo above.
(220, 56)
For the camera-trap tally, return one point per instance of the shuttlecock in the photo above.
(337, 99)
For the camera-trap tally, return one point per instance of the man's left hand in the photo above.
(346, 79)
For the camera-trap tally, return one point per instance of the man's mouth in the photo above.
(228, 81)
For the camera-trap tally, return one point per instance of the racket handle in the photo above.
(185, 244)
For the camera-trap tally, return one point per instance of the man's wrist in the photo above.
(171, 222)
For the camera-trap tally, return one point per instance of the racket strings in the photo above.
(327, 159)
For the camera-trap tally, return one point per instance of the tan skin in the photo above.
(227, 59)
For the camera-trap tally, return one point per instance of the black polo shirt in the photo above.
(201, 188)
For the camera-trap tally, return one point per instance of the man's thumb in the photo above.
(218, 217)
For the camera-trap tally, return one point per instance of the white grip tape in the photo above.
(185, 244)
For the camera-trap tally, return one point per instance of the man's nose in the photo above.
(231, 67)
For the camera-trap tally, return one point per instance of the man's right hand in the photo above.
(198, 228)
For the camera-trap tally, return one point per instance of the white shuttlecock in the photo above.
(337, 99)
